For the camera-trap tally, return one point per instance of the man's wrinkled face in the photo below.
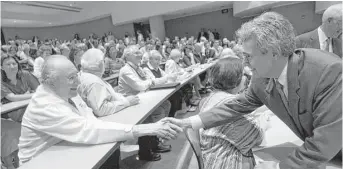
(69, 81)
(155, 61)
(260, 63)
(334, 26)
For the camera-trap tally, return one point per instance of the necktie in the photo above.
(72, 103)
(279, 87)
(327, 44)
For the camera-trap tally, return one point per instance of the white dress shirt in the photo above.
(100, 96)
(49, 120)
(323, 40)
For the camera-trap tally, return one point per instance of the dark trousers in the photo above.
(147, 144)
(176, 103)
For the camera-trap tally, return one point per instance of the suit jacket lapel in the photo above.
(294, 64)
(337, 47)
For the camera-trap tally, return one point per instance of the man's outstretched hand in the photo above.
(183, 123)
(161, 129)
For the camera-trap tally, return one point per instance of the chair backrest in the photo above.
(193, 137)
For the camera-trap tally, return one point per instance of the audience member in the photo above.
(133, 80)
(16, 85)
(97, 93)
(328, 36)
(229, 146)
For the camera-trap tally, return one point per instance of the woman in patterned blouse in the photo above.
(229, 146)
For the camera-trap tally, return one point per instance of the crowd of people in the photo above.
(64, 82)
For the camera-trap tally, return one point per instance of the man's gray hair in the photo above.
(174, 53)
(333, 12)
(92, 59)
(155, 53)
(272, 32)
(130, 51)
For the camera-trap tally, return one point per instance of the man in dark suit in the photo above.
(302, 87)
(327, 36)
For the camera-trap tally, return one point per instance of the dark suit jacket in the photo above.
(314, 110)
(187, 60)
(311, 40)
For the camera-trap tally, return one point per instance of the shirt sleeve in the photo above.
(102, 102)
(135, 82)
(65, 124)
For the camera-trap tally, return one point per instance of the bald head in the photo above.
(92, 59)
(55, 66)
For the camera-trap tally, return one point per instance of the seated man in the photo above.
(153, 70)
(133, 80)
(52, 116)
(97, 93)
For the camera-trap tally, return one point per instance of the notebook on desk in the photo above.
(165, 86)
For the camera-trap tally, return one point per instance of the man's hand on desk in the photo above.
(166, 131)
(133, 100)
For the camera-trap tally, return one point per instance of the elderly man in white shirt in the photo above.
(52, 116)
(133, 80)
(96, 92)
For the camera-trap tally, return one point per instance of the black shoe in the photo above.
(149, 156)
(161, 148)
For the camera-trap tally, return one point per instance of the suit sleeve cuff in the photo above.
(196, 122)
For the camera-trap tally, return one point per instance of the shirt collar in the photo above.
(321, 36)
(283, 76)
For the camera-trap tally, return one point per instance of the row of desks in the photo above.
(72, 156)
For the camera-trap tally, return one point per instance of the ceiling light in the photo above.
(49, 23)
(70, 4)
(14, 21)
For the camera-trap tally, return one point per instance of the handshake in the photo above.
(167, 128)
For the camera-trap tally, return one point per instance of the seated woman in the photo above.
(16, 84)
(229, 146)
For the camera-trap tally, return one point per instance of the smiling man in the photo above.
(302, 87)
